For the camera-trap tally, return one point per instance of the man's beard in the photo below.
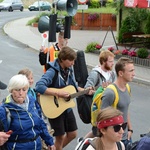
(107, 67)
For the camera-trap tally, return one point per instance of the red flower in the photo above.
(111, 49)
(125, 52)
(98, 46)
(132, 53)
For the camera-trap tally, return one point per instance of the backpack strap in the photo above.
(92, 143)
(112, 86)
(128, 88)
(119, 146)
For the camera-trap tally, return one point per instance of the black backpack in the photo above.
(84, 101)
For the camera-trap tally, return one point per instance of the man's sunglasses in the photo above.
(118, 127)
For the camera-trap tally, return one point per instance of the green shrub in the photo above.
(36, 19)
(94, 4)
(91, 47)
(142, 53)
(147, 25)
(134, 21)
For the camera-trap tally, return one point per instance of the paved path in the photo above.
(79, 39)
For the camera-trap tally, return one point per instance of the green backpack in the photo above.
(96, 104)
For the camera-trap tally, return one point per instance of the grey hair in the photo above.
(17, 82)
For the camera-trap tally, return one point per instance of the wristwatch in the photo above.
(130, 130)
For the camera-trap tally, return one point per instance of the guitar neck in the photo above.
(74, 95)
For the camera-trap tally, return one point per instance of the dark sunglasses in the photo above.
(118, 127)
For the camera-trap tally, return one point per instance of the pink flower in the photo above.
(111, 49)
(125, 52)
(98, 46)
(93, 17)
(132, 53)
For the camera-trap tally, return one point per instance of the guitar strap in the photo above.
(54, 78)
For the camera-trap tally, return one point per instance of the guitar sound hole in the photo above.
(67, 99)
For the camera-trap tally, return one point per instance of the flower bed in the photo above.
(94, 47)
(137, 61)
(94, 21)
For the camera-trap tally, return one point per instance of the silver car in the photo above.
(11, 5)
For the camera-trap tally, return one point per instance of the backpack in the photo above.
(96, 104)
(84, 102)
(88, 144)
(143, 143)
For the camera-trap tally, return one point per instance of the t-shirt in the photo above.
(123, 104)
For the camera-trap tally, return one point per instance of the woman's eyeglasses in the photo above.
(118, 127)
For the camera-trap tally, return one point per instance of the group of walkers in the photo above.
(22, 119)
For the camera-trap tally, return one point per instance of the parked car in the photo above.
(11, 5)
(43, 5)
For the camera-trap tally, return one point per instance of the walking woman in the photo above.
(111, 127)
(23, 118)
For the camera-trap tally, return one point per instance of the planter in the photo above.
(96, 52)
(34, 24)
(137, 61)
(102, 22)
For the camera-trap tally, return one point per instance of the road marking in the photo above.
(11, 45)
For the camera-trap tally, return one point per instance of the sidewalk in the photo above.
(31, 37)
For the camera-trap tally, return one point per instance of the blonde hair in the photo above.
(25, 72)
(120, 64)
(17, 82)
(61, 35)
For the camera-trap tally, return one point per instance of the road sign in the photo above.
(82, 6)
(44, 37)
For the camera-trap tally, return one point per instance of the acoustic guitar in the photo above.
(53, 106)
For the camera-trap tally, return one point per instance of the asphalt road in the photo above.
(16, 56)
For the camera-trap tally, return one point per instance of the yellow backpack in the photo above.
(96, 104)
